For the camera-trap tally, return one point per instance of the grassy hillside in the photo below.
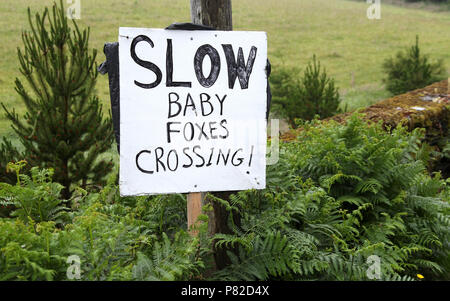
(351, 46)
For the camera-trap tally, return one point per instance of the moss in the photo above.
(427, 107)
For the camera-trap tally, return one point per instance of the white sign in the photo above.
(192, 110)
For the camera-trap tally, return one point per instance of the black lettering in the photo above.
(137, 162)
(239, 68)
(169, 69)
(191, 104)
(212, 128)
(221, 102)
(198, 155)
(158, 159)
(240, 159)
(251, 157)
(202, 101)
(145, 64)
(210, 157)
(169, 130)
(202, 51)
(172, 151)
(174, 102)
(202, 132)
(190, 158)
(192, 131)
(225, 159)
(224, 121)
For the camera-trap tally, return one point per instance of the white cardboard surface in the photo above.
(184, 165)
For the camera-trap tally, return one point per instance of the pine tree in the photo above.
(63, 127)
(411, 70)
(305, 96)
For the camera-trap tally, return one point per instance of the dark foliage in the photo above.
(411, 70)
(304, 97)
(63, 127)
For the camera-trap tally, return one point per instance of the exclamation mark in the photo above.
(251, 157)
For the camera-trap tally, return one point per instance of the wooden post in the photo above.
(213, 13)
(194, 209)
(216, 14)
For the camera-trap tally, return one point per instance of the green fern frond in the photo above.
(270, 256)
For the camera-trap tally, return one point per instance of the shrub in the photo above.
(304, 97)
(32, 251)
(411, 70)
(34, 198)
(384, 190)
(131, 238)
(339, 195)
(63, 127)
(8, 153)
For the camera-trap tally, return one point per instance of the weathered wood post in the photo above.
(213, 13)
(194, 209)
(216, 14)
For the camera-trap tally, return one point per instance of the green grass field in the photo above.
(347, 43)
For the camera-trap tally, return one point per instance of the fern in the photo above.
(167, 261)
(338, 195)
(36, 198)
(270, 256)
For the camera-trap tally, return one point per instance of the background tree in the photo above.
(411, 70)
(304, 97)
(63, 127)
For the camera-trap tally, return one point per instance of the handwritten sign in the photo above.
(192, 110)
